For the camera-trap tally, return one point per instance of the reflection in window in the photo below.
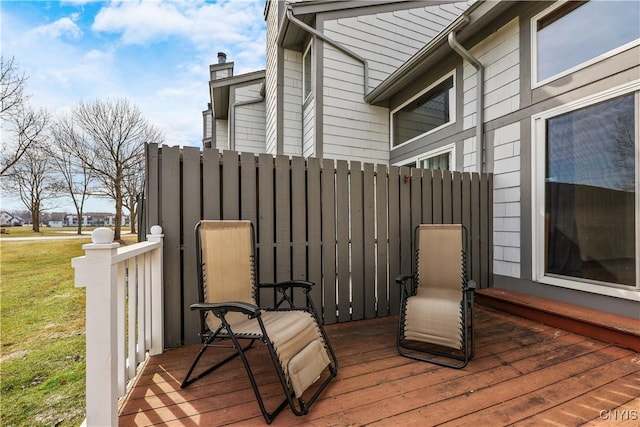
(590, 193)
(577, 32)
(306, 65)
(440, 162)
(425, 113)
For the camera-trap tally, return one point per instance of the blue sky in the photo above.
(154, 53)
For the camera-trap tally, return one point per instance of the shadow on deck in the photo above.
(524, 373)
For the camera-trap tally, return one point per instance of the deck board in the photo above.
(524, 373)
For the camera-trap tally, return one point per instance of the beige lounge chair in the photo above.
(436, 313)
(230, 311)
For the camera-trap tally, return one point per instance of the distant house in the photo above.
(528, 91)
(235, 118)
(95, 219)
(8, 220)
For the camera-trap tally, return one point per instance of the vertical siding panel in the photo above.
(475, 227)
(211, 184)
(427, 197)
(406, 255)
(283, 219)
(298, 220)
(342, 234)
(394, 238)
(230, 185)
(489, 236)
(248, 189)
(170, 209)
(369, 250)
(437, 197)
(329, 240)
(314, 228)
(190, 216)
(382, 239)
(357, 242)
(456, 198)
(447, 215)
(484, 231)
(153, 186)
(466, 216)
(416, 198)
(266, 221)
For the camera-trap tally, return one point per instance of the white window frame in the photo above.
(307, 51)
(538, 144)
(534, 51)
(449, 148)
(452, 110)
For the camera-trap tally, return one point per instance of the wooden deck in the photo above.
(524, 373)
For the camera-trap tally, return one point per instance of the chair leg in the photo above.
(268, 416)
(187, 380)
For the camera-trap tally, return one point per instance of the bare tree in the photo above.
(11, 86)
(133, 186)
(25, 126)
(21, 124)
(109, 138)
(75, 176)
(34, 181)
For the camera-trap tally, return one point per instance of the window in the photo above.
(439, 161)
(442, 159)
(306, 72)
(427, 112)
(575, 34)
(586, 192)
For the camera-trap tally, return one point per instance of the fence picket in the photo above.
(345, 227)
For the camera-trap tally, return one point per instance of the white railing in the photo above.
(124, 316)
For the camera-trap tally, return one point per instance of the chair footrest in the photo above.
(307, 365)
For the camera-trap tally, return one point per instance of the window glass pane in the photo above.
(590, 193)
(440, 162)
(307, 73)
(572, 35)
(429, 111)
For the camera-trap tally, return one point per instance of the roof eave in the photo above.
(466, 25)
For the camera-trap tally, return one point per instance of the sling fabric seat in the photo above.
(436, 312)
(230, 310)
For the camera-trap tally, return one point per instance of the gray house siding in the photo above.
(248, 118)
(345, 127)
(271, 79)
(504, 48)
(389, 39)
(292, 103)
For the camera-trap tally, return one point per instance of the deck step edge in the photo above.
(611, 328)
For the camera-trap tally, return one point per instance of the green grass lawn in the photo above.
(42, 321)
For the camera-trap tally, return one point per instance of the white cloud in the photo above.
(204, 24)
(60, 28)
(118, 56)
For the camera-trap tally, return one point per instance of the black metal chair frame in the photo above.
(467, 306)
(283, 301)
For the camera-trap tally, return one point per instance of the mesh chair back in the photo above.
(227, 264)
(434, 314)
(439, 261)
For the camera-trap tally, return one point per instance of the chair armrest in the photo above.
(403, 278)
(288, 284)
(223, 307)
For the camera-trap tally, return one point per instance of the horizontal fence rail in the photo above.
(124, 321)
(346, 226)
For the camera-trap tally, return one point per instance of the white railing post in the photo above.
(157, 299)
(97, 273)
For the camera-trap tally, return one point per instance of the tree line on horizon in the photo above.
(95, 150)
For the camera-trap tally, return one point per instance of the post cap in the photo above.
(102, 236)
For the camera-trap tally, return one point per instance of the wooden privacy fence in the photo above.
(346, 226)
